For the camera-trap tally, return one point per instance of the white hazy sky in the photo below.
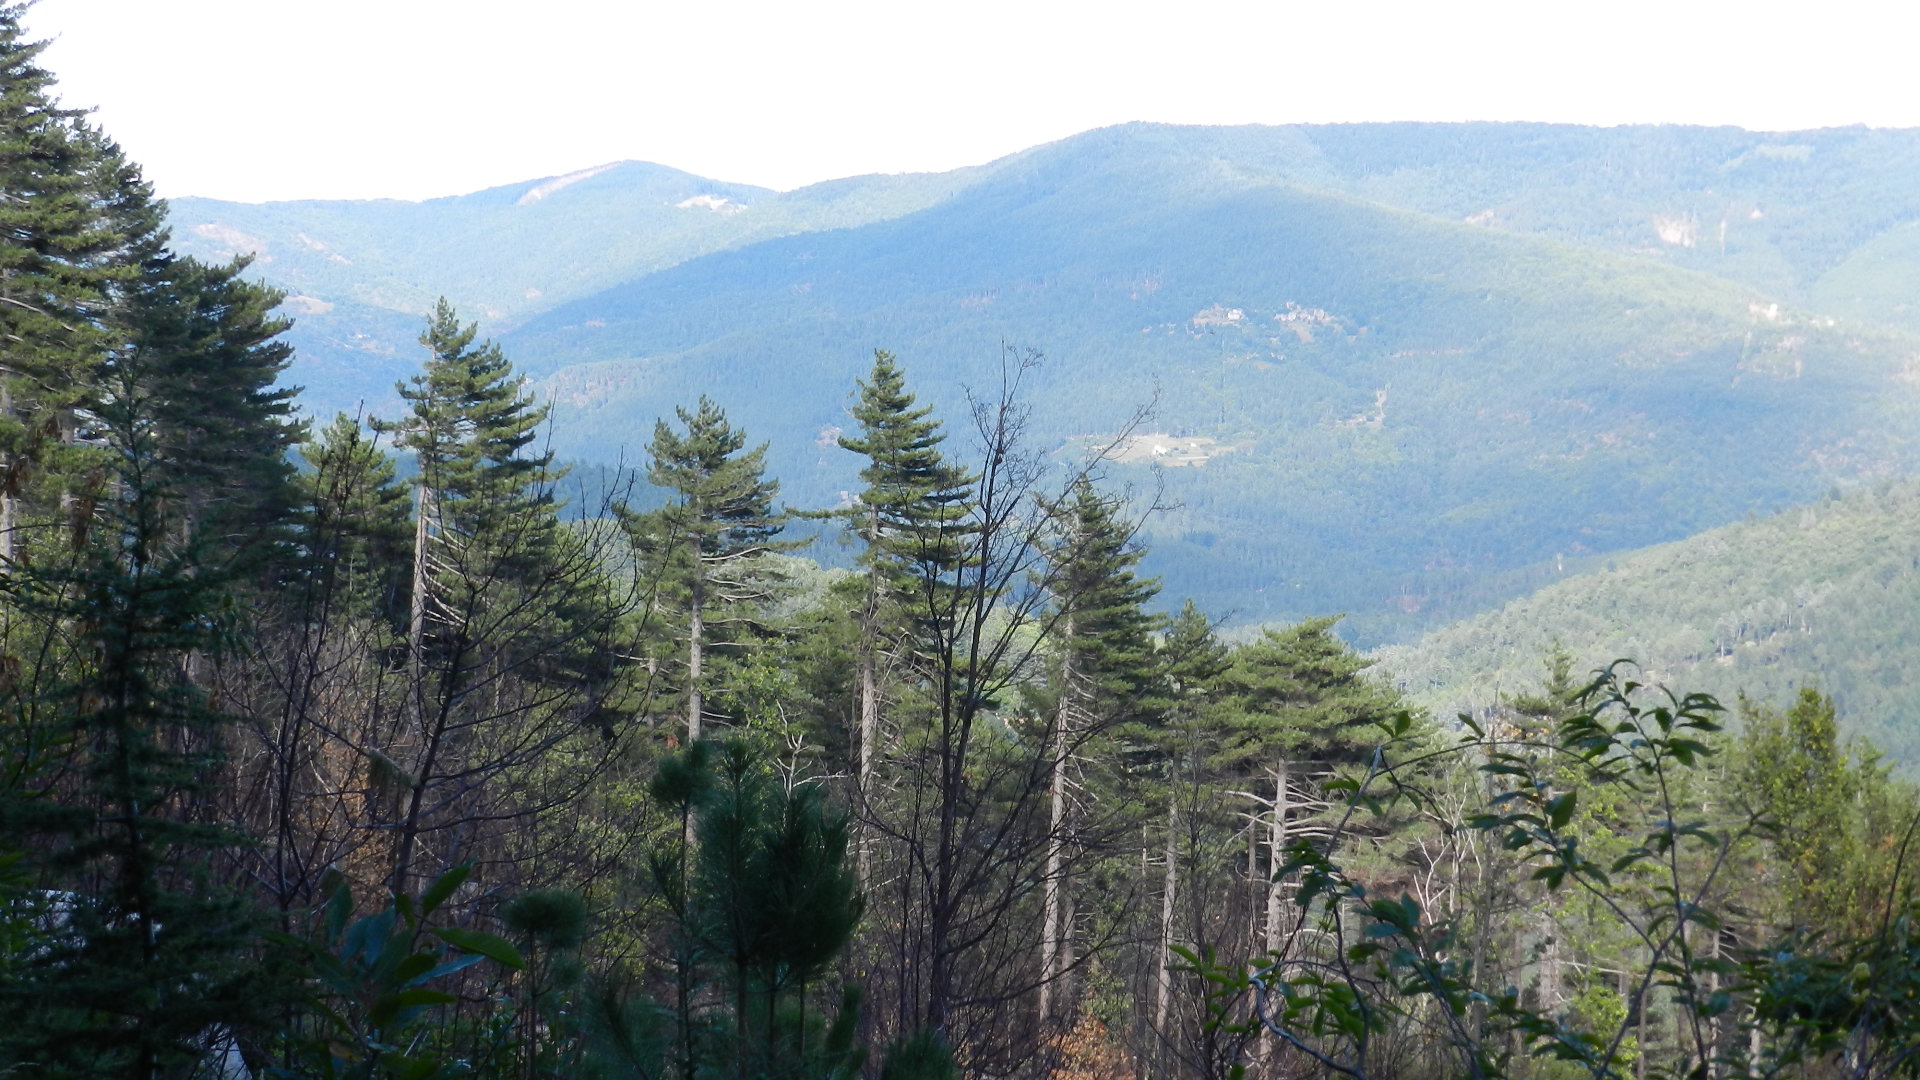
(276, 99)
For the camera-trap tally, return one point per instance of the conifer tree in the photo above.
(117, 362)
(910, 518)
(76, 225)
(511, 617)
(700, 551)
(209, 348)
(1177, 740)
(1297, 703)
(1833, 837)
(147, 954)
(1106, 667)
(469, 421)
(756, 883)
(355, 534)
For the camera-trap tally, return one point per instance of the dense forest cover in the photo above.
(1462, 352)
(386, 748)
(1820, 595)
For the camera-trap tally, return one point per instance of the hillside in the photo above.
(362, 274)
(1813, 219)
(1401, 409)
(1826, 594)
(1400, 369)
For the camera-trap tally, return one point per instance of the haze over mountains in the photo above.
(1402, 371)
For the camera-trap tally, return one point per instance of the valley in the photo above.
(1448, 358)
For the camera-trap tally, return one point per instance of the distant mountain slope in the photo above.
(1405, 410)
(1401, 368)
(504, 253)
(1776, 211)
(1826, 594)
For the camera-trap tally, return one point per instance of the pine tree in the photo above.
(910, 518)
(76, 225)
(911, 510)
(1177, 740)
(147, 955)
(112, 743)
(1106, 667)
(701, 551)
(1830, 864)
(1297, 704)
(209, 349)
(511, 617)
(356, 539)
(757, 885)
(473, 489)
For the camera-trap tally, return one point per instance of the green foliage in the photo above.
(80, 226)
(1835, 818)
(922, 1055)
(1590, 883)
(760, 894)
(378, 985)
(210, 351)
(1300, 693)
(469, 421)
(555, 918)
(1107, 647)
(354, 523)
(1508, 280)
(1751, 1010)
(911, 513)
(702, 554)
(723, 502)
(1823, 594)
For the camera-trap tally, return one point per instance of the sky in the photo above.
(277, 99)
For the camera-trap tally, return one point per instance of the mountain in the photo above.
(1399, 370)
(1826, 594)
(362, 274)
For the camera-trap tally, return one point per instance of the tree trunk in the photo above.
(696, 654)
(869, 699)
(1163, 979)
(417, 608)
(1051, 933)
(9, 502)
(1277, 837)
(1277, 829)
(869, 728)
(1550, 969)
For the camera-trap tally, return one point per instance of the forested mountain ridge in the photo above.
(1413, 331)
(355, 751)
(1823, 595)
(361, 274)
(1781, 212)
(1381, 386)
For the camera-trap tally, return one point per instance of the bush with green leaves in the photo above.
(1364, 972)
(379, 982)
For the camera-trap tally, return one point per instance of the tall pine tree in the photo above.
(143, 955)
(910, 518)
(76, 226)
(209, 346)
(1106, 668)
(1297, 704)
(700, 552)
(511, 618)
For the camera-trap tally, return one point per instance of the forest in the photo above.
(386, 747)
